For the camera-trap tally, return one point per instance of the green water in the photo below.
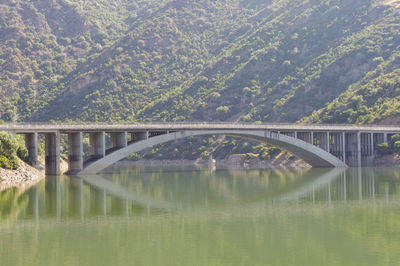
(187, 216)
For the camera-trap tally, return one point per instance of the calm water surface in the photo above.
(187, 216)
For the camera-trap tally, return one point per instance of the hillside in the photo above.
(330, 61)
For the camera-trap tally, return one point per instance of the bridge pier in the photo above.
(97, 145)
(372, 145)
(52, 153)
(351, 149)
(344, 147)
(328, 139)
(359, 161)
(119, 139)
(75, 152)
(31, 143)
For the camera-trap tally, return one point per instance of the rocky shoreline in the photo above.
(24, 177)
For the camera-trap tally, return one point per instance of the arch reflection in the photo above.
(133, 192)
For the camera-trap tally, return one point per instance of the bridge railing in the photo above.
(189, 125)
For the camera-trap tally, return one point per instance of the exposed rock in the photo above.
(25, 176)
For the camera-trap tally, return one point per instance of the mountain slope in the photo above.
(275, 61)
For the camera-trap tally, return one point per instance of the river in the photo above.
(188, 216)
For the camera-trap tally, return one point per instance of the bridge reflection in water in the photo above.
(142, 216)
(158, 192)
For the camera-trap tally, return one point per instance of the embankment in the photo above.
(23, 177)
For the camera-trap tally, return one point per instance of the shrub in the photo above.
(395, 138)
(222, 109)
(383, 148)
(23, 153)
(8, 151)
(396, 147)
(273, 152)
(5, 163)
(8, 145)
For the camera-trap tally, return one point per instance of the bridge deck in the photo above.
(38, 127)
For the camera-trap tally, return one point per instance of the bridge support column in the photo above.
(75, 152)
(328, 141)
(359, 161)
(119, 140)
(372, 145)
(312, 138)
(97, 143)
(52, 153)
(31, 143)
(344, 147)
(351, 149)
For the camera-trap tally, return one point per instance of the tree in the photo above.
(395, 138)
(8, 152)
(396, 147)
(383, 148)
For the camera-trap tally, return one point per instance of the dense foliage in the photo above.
(8, 154)
(10, 150)
(330, 61)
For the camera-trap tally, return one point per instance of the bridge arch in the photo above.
(311, 154)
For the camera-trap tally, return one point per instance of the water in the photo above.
(186, 216)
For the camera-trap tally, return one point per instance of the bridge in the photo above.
(318, 145)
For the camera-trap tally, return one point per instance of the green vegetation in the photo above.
(10, 150)
(397, 147)
(325, 61)
(383, 149)
(390, 148)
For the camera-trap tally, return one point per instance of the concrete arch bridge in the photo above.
(318, 145)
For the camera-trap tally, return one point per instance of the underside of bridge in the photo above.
(311, 154)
